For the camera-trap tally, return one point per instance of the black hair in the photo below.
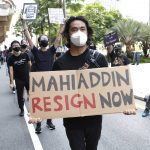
(15, 41)
(65, 33)
(22, 41)
(10, 49)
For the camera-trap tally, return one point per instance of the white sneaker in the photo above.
(13, 92)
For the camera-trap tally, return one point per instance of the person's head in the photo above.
(43, 41)
(77, 31)
(15, 45)
(24, 44)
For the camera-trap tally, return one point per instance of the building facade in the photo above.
(7, 9)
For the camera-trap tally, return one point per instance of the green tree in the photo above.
(144, 37)
(41, 24)
(100, 19)
(128, 31)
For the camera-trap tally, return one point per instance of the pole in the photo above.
(64, 8)
(149, 14)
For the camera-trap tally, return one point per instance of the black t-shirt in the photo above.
(20, 66)
(29, 53)
(44, 60)
(69, 62)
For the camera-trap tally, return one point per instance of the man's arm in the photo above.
(26, 33)
(29, 64)
(58, 39)
(11, 76)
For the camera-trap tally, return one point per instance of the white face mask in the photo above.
(79, 38)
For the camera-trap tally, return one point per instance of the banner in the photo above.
(56, 15)
(30, 11)
(61, 94)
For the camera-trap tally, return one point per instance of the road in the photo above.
(120, 132)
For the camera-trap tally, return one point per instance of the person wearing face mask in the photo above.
(83, 132)
(44, 58)
(26, 49)
(19, 64)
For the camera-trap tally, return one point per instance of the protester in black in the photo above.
(26, 49)
(83, 132)
(116, 56)
(44, 58)
(19, 64)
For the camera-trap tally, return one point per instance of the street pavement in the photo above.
(120, 132)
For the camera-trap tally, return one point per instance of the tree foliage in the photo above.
(41, 24)
(100, 19)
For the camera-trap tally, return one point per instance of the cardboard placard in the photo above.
(56, 15)
(30, 11)
(72, 93)
(111, 39)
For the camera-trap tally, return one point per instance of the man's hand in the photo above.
(34, 120)
(130, 112)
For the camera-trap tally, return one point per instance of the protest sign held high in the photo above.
(30, 11)
(56, 15)
(74, 93)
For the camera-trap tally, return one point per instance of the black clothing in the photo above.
(69, 62)
(118, 59)
(20, 66)
(21, 75)
(31, 56)
(83, 132)
(29, 53)
(77, 140)
(20, 89)
(44, 60)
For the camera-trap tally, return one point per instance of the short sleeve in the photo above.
(53, 49)
(34, 50)
(10, 61)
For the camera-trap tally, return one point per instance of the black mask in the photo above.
(16, 49)
(23, 46)
(44, 43)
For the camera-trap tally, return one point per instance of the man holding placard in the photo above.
(83, 132)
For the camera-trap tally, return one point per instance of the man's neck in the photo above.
(43, 49)
(75, 51)
(24, 50)
(17, 54)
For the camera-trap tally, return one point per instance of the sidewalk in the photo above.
(140, 80)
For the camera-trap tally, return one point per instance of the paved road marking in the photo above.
(35, 139)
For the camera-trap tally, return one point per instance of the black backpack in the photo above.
(93, 56)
